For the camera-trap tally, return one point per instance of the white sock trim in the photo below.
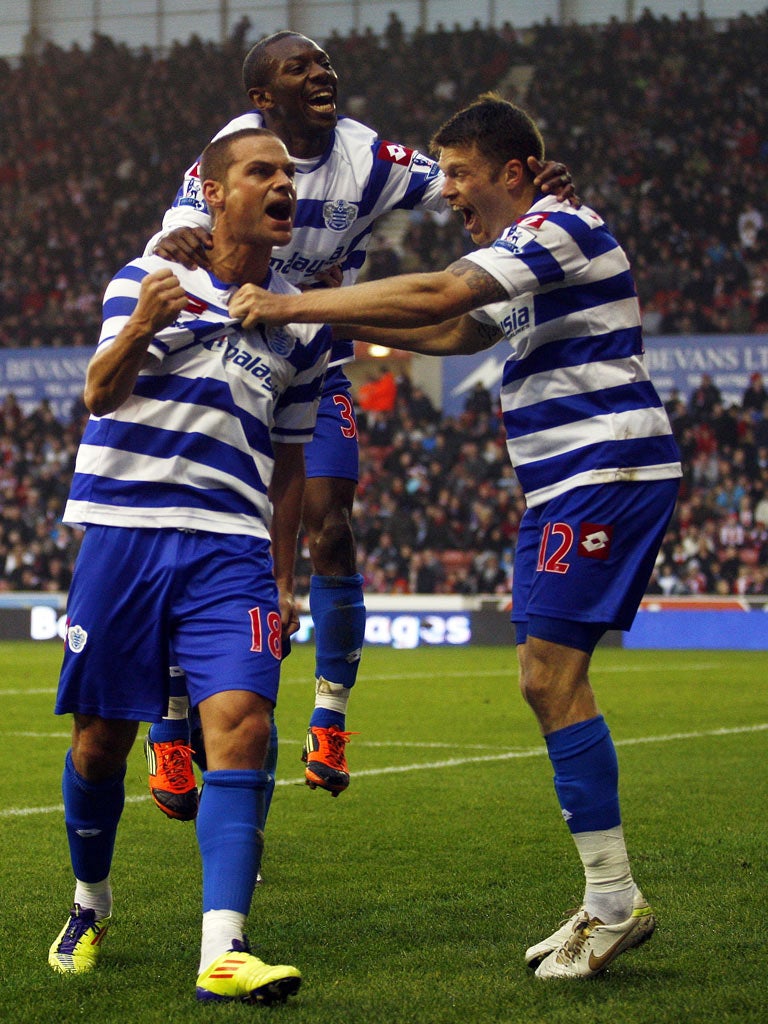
(178, 708)
(331, 696)
(96, 896)
(220, 927)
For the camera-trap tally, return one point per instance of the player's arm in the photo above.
(286, 492)
(464, 335)
(409, 300)
(112, 372)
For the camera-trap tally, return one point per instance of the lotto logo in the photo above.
(595, 540)
(394, 153)
(194, 305)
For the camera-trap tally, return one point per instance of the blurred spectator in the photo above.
(704, 398)
(379, 393)
(479, 400)
(755, 395)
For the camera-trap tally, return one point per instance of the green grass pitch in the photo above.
(411, 898)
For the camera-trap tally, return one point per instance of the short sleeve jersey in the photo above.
(341, 195)
(577, 402)
(192, 447)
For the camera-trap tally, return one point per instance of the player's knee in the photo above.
(332, 549)
(239, 742)
(534, 687)
(100, 748)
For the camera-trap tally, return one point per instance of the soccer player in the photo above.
(196, 434)
(592, 447)
(347, 179)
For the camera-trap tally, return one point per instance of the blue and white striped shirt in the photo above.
(341, 195)
(192, 447)
(577, 402)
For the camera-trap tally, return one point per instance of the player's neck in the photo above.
(236, 263)
(300, 143)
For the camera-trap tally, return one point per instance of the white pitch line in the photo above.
(704, 666)
(511, 755)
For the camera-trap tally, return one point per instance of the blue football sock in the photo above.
(323, 718)
(170, 729)
(586, 775)
(230, 824)
(338, 614)
(175, 726)
(91, 813)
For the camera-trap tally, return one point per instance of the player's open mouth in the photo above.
(322, 102)
(281, 209)
(468, 216)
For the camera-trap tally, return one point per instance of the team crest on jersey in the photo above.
(394, 153)
(595, 540)
(338, 214)
(280, 341)
(77, 638)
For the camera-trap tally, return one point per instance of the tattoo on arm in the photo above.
(482, 285)
(490, 333)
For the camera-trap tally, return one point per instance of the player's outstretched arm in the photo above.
(410, 300)
(461, 336)
(113, 370)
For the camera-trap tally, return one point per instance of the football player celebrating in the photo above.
(347, 179)
(592, 447)
(189, 478)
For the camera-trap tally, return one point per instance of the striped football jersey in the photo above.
(192, 447)
(577, 402)
(341, 195)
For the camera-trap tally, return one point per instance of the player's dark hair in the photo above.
(217, 156)
(500, 130)
(258, 66)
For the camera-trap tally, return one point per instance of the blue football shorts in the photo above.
(334, 448)
(583, 560)
(137, 593)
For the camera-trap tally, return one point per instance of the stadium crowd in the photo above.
(87, 168)
(438, 504)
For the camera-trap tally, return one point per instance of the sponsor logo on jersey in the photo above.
(249, 362)
(517, 321)
(595, 540)
(394, 153)
(77, 638)
(300, 267)
(338, 214)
